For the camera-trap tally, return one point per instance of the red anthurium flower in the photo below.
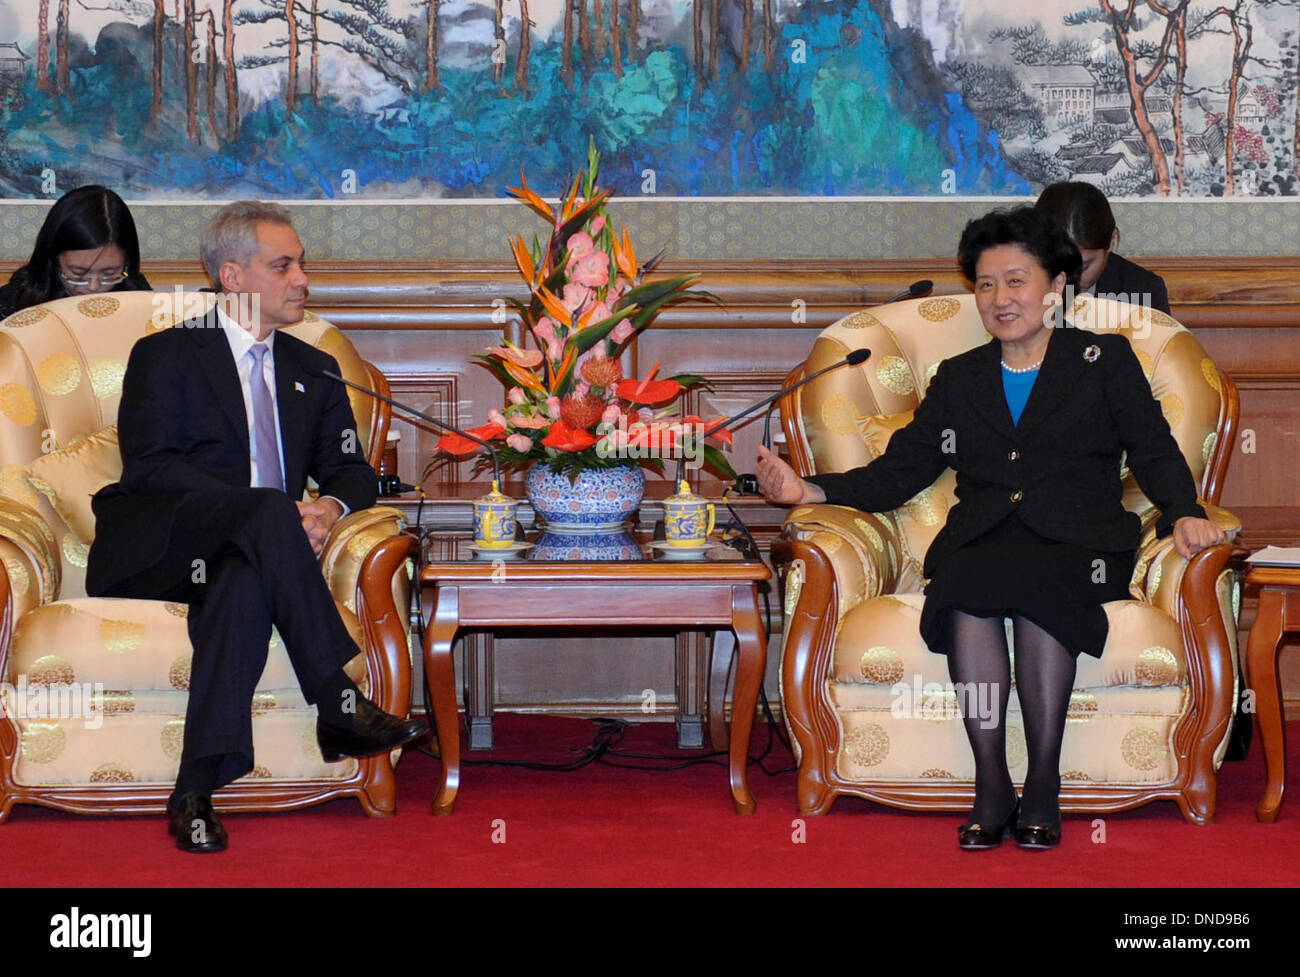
(561, 437)
(454, 444)
(648, 391)
(723, 436)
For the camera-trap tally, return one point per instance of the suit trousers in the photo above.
(243, 563)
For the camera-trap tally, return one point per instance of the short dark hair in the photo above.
(1082, 211)
(83, 219)
(1028, 228)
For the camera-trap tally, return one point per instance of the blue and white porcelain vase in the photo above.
(602, 499)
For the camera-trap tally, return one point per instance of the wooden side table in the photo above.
(488, 595)
(1279, 613)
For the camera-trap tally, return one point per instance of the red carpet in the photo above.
(603, 826)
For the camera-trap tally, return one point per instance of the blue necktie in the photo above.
(264, 423)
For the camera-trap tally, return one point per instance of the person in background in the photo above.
(1084, 213)
(87, 244)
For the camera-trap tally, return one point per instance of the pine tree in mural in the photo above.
(43, 45)
(431, 82)
(61, 75)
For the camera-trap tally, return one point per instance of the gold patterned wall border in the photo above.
(705, 229)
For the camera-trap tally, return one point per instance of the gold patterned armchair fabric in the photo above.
(95, 688)
(871, 710)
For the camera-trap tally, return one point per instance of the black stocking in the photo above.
(1044, 678)
(979, 664)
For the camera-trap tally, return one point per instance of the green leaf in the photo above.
(597, 331)
(716, 460)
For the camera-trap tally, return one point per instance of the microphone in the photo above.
(855, 358)
(913, 291)
(443, 425)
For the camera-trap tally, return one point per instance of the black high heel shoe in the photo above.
(977, 837)
(1038, 837)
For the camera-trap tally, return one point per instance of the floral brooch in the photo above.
(1092, 354)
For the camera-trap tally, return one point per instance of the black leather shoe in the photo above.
(1038, 837)
(194, 825)
(978, 837)
(372, 732)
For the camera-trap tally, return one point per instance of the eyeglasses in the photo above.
(94, 279)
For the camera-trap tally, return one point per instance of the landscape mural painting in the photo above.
(418, 99)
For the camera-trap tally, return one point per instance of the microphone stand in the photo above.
(442, 425)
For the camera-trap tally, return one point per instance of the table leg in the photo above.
(751, 660)
(691, 649)
(1261, 675)
(480, 689)
(441, 673)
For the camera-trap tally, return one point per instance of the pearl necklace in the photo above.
(1024, 369)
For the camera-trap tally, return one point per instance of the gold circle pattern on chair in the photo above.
(1207, 446)
(1171, 405)
(179, 672)
(1017, 751)
(112, 773)
(881, 666)
(1076, 775)
(99, 306)
(1146, 362)
(259, 772)
(839, 415)
(829, 543)
(173, 738)
(870, 535)
(1156, 666)
(860, 320)
(1157, 571)
(929, 375)
(1163, 319)
(51, 670)
(937, 773)
(44, 742)
(937, 310)
(927, 507)
(1211, 373)
(120, 637)
(940, 706)
(310, 317)
(263, 702)
(117, 703)
(75, 551)
(13, 483)
(161, 321)
(1082, 707)
(895, 376)
(19, 578)
(310, 745)
(177, 610)
(17, 404)
(867, 745)
(27, 317)
(1142, 748)
(59, 374)
(106, 377)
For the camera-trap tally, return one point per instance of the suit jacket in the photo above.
(1058, 468)
(1123, 279)
(182, 427)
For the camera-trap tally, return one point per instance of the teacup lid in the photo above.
(494, 497)
(684, 495)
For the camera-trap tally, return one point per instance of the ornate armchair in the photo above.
(871, 710)
(95, 689)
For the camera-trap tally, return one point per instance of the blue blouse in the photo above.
(1016, 386)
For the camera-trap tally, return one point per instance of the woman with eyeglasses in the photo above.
(87, 244)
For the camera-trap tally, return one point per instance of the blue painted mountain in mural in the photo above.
(830, 98)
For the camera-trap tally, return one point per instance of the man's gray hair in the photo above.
(232, 235)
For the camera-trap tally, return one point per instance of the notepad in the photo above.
(1276, 556)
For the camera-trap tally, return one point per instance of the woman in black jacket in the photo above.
(1084, 213)
(87, 244)
(1034, 425)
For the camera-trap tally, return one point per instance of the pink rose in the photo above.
(534, 422)
(544, 330)
(496, 417)
(611, 415)
(520, 442)
(553, 407)
(592, 270)
(621, 332)
(516, 395)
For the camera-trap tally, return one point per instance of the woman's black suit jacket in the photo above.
(1059, 468)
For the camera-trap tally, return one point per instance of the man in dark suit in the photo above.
(222, 420)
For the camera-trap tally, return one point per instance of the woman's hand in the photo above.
(1191, 535)
(779, 483)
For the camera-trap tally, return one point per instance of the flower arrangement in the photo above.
(567, 401)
